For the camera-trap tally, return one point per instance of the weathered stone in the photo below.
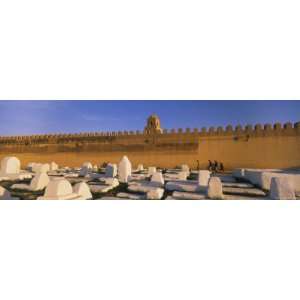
(131, 196)
(53, 166)
(83, 190)
(124, 169)
(59, 189)
(214, 190)
(155, 194)
(158, 179)
(10, 165)
(183, 175)
(238, 185)
(262, 178)
(185, 168)
(39, 182)
(188, 196)
(141, 187)
(100, 188)
(182, 186)
(140, 168)
(111, 170)
(110, 181)
(203, 178)
(282, 189)
(251, 192)
(151, 171)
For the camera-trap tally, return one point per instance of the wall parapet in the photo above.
(267, 129)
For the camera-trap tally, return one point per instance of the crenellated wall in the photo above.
(259, 146)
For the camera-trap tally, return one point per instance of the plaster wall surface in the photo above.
(260, 147)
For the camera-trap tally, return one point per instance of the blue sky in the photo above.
(38, 117)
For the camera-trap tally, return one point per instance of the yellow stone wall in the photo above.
(276, 146)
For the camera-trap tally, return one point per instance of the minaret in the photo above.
(153, 125)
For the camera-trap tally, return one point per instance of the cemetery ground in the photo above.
(117, 182)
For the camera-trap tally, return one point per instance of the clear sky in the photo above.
(38, 117)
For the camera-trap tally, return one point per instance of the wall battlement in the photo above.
(260, 146)
(259, 130)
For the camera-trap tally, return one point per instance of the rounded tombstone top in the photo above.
(10, 165)
(83, 190)
(58, 187)
(153, 125)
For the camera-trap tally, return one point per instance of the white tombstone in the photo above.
(59, 189)
(140, 168)
(124, 169)
(185, 168)
(282, 188)
(203, 178)
(39, 182)
(111, 170)
(151, 171)
(53, 166)
(83, 190)
(182, 175)
(215, 190)
(10, 165)
(35, 167)
(158, 179)
(155, 194)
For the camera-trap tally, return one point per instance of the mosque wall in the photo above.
(268, 146)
